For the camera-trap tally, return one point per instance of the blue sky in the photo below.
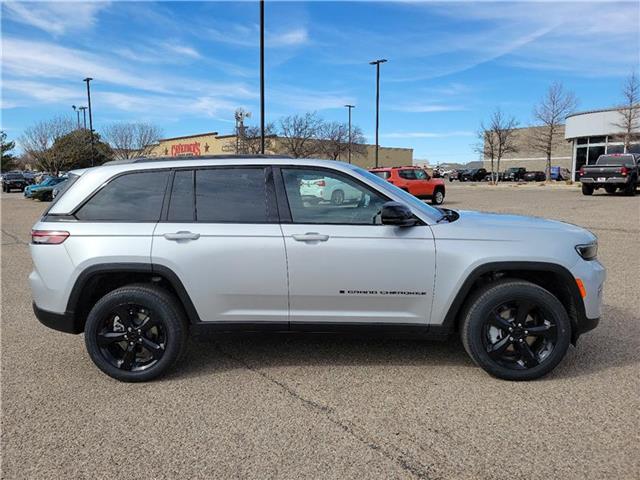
(187, 66)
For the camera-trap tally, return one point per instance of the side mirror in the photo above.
(398, 214)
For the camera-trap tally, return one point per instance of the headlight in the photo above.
(588, 252)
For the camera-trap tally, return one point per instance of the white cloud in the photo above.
(56, 18)
(182, 50)
(249, 36)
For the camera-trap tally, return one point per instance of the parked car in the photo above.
(514, 174)
(454, 175)
(473, 175)
(45, 184)
(57, 189)
(13, 181)
(535, 176)
(560, 173)
(415, 181)
(319, 189)
(137, 255)
(612, 172)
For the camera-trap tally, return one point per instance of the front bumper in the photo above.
(63, 322)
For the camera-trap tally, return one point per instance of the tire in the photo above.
(438, 197)
(165, 334)
(587, 189)
(630, 188)
(337, 197)
(519, 354)
(610, 189)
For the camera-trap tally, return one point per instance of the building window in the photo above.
(593, 140)
(583, 140)
(594, 153)
(581, 159)
(634, 148)
(615, 148)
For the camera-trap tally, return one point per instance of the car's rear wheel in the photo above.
(587, 189)
(337, 197)
(136, 333)
(438, 197)
(516, 330)
(610, 189)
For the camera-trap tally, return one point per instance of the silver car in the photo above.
(139, 254)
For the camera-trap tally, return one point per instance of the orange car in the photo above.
(415, 181)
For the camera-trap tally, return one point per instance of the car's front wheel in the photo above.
(438, 197)
(515, 330)
(135, 333)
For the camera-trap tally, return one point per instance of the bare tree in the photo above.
(629, 123)
(129, 140)
(497, 140)
(249, 141)
(551, 113)
(334, 140)
(38, 139)
(299, 135)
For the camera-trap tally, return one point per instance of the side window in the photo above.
(323, 197)
(133, 197)
(407, 174)
(231, 195)
(182, 203)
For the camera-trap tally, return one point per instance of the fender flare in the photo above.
(568, 280)
(129, 267)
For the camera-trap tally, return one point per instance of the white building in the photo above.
(593, 134)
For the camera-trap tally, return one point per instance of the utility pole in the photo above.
(75, 109)
(262, 76)
(377, 64)
(350, 107)
(88, 79)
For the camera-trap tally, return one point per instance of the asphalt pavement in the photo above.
(331, 407)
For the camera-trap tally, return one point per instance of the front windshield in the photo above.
(433, 213)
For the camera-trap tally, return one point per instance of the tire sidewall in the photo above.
(165, 310)
(437, 201)
(494, 296)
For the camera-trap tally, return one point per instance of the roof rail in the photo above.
(190, 157)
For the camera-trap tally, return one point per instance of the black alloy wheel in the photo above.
(515, 329)
(519, 334)
(136, 333)
(131, 338)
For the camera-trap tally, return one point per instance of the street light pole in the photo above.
(84, 116)
(262, 76)
(75, 109)
(88, 79)
(377, 64)
(350, 107)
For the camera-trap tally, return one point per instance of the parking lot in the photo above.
(332, 407)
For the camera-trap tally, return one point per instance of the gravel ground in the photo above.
(326, 407)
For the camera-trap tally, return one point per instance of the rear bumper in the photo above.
(63, 322)
(609, 180)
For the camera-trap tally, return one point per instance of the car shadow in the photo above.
(600, 350)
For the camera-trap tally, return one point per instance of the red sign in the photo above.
(185, 149)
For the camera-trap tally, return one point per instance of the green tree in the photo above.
(8, 159)
(73, 150)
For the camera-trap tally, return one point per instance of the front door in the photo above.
(344, 266)
(221, 236)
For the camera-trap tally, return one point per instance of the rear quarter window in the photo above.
(132, 197)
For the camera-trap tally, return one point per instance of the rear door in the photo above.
(220, 235)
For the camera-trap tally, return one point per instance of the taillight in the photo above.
(320, 183)
(624, 171)
(48, 237)
(581, 171)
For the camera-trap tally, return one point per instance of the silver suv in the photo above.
(136, 255)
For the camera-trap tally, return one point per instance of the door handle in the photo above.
(182, 235)
(310, 237)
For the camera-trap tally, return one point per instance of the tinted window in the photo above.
(318, 196)
(182, 206)
(131, 197)
(615, 160)
(237, 195)
(407, 174)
